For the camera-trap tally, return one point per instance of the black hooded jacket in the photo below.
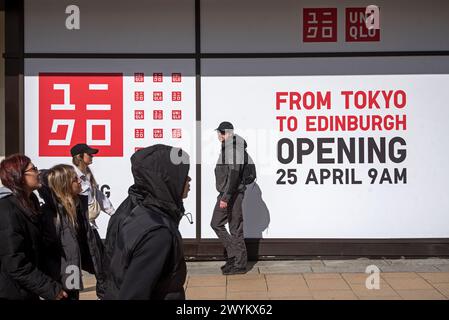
(143, 251)
(229, 168)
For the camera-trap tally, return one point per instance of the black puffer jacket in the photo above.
(229, 168)
(65, 246)
(21, 253)
(144, 251)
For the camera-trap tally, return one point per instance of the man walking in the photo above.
(231, 188)
(144, 253)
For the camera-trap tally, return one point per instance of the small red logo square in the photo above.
(158, 77)
(176, 133)
(139, 114)
(176, 96)
(176, 114)
(139, 77)
(158, 133)
(175, 77)
(139, 96)
(158, 114)
(139, 133)
(158, 96)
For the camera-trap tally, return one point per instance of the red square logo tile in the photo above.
(80, 108)
(139, 77)
(176, 133)
(176, 96)
(139, 133)
(319, 25)
(158, 114)
(158, 96)
(158, 133)
(175, 77)
(139, 96)
(158, 77)
(176, 114)
(139, 114)
(356, 29)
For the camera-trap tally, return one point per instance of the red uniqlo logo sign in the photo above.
(320, 24)
(356, 30)
(176, 133)
(157, 96)
(158, 114)
(139, 77)
(176, 96)
(158, 133)
(80, 108)
(139, 133)
(158, 77)
(139, 114)
(139, 96)
(176, 115)
(175, 77)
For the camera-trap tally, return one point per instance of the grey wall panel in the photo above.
(133, 26)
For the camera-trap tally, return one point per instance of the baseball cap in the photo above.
(82, 148)
(225, 125)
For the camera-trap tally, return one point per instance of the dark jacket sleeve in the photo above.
(147, 263)
(234, 174)
(15, 261)
(50, 237)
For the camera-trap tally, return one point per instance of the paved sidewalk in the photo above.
(315, 279)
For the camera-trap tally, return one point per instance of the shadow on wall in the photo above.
(256, 217)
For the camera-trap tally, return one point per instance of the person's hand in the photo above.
(61, 295)
(223, 204)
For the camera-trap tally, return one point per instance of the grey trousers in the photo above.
(234, 243)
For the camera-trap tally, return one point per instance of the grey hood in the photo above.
(5, 192)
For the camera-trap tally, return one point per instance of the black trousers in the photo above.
(234, 242)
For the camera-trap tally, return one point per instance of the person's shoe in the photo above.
(234, 270)
(228, 264)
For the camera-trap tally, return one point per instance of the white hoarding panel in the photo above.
(337, 156)
(116, 106)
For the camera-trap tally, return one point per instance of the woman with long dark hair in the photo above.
(71, 245)
(20, 237)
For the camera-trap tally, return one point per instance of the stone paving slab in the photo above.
(355, 263)
(444, 268)
(329, 266)
(409, 268)
(284, 269)
(417, 279)
(342, 269)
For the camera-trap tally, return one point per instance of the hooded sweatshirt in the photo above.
(144, 253)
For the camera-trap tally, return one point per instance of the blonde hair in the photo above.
(78, 163)
(60, 179)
